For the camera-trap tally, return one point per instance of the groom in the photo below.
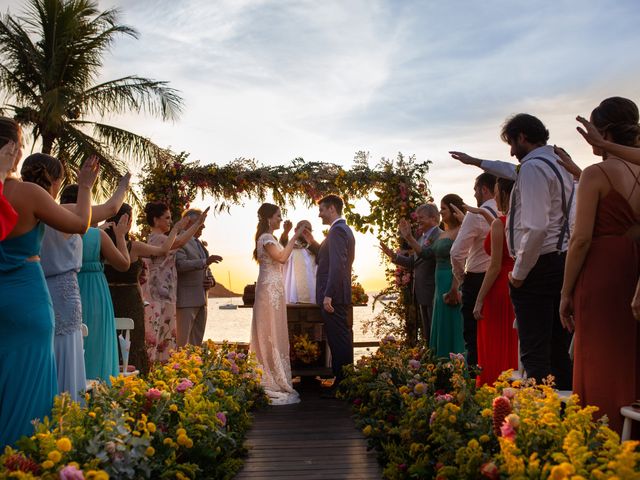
(333, 282)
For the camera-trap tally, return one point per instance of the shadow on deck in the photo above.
(315, 439)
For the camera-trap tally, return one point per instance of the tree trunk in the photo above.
(47, 142)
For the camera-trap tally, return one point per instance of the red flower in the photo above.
(501, 408)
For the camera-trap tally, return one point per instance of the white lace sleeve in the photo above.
(267, 238)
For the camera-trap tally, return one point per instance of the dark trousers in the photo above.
(544, 344)
(426, 312)
(340, 339)
(470, 289)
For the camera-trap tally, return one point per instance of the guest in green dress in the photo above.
(101, 345)
(447, 324)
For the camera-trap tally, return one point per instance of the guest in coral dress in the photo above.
(497, 337)
(602, 270)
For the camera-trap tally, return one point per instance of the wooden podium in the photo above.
(305, 318)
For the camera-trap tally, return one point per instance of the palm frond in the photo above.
(132, 93)
(123, 143)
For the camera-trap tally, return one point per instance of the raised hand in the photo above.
(214, 259)
(89, 172)
(287, 226)
(405, 228)
(203, 216)
(386, 250)
(308, 236)
(183, 223)
(590, 133)
(459, 214)
(123, 226)
(464, 158)
(567, 162)
(125, 181)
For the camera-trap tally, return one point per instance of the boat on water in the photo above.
(230, 305)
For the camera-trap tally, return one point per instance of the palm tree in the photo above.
(50, 59)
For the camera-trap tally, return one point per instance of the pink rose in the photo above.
(184, 385)
(414, 364)
(153, 394)
(509, 392)
(70, 472)
(176, 366)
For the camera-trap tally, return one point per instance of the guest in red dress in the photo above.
(602, 270)
(8, 158)
(497, 338)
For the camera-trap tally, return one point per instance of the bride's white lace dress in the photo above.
(269, 330)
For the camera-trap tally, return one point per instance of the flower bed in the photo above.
(186, 420)
(426, 419)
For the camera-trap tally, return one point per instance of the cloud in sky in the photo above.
(279, 79)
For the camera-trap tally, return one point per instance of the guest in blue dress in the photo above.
(61, 261)
(27, 365)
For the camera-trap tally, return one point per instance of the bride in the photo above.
(269, 330)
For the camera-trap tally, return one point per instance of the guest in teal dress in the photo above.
(28, 381)
(447, 323)
(101, 345)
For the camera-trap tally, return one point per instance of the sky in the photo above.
(279, 79)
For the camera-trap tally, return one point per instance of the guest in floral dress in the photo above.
(160, 289)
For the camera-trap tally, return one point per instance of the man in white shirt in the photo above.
(537, 236)
(469, 261)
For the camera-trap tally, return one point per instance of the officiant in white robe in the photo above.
(300, 269)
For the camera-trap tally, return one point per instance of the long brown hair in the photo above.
(265, 212)
(456, 200)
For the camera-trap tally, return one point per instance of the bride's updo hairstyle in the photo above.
(265, 212)
(41, 169)
(618, 117)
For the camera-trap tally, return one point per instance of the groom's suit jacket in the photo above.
(335, 259)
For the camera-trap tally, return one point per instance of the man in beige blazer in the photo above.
(194, 279)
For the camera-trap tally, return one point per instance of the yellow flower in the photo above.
(452, 418)
(173, 407)
(487, 412)
(181, 431)
(64, 444)
(55, 456)
(47, 464)
(367, 430)
(180, 476)
(151, 427)
(150, 451)
(183, 440)
(92, 414)
(484, 438)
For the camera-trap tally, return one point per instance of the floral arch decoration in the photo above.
(393, 188)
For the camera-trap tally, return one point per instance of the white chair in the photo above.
(90, 383)
(125, 325)
(629, 414)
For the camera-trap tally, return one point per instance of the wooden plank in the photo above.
(315, 439)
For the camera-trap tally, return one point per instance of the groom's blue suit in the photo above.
(333, 279)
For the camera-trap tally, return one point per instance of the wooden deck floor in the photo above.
(315, 439)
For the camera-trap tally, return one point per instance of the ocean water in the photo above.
(235, 325)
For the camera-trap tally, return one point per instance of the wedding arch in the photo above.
(393, 188)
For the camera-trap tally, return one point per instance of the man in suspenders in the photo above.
(469, 261)
(537, 237)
